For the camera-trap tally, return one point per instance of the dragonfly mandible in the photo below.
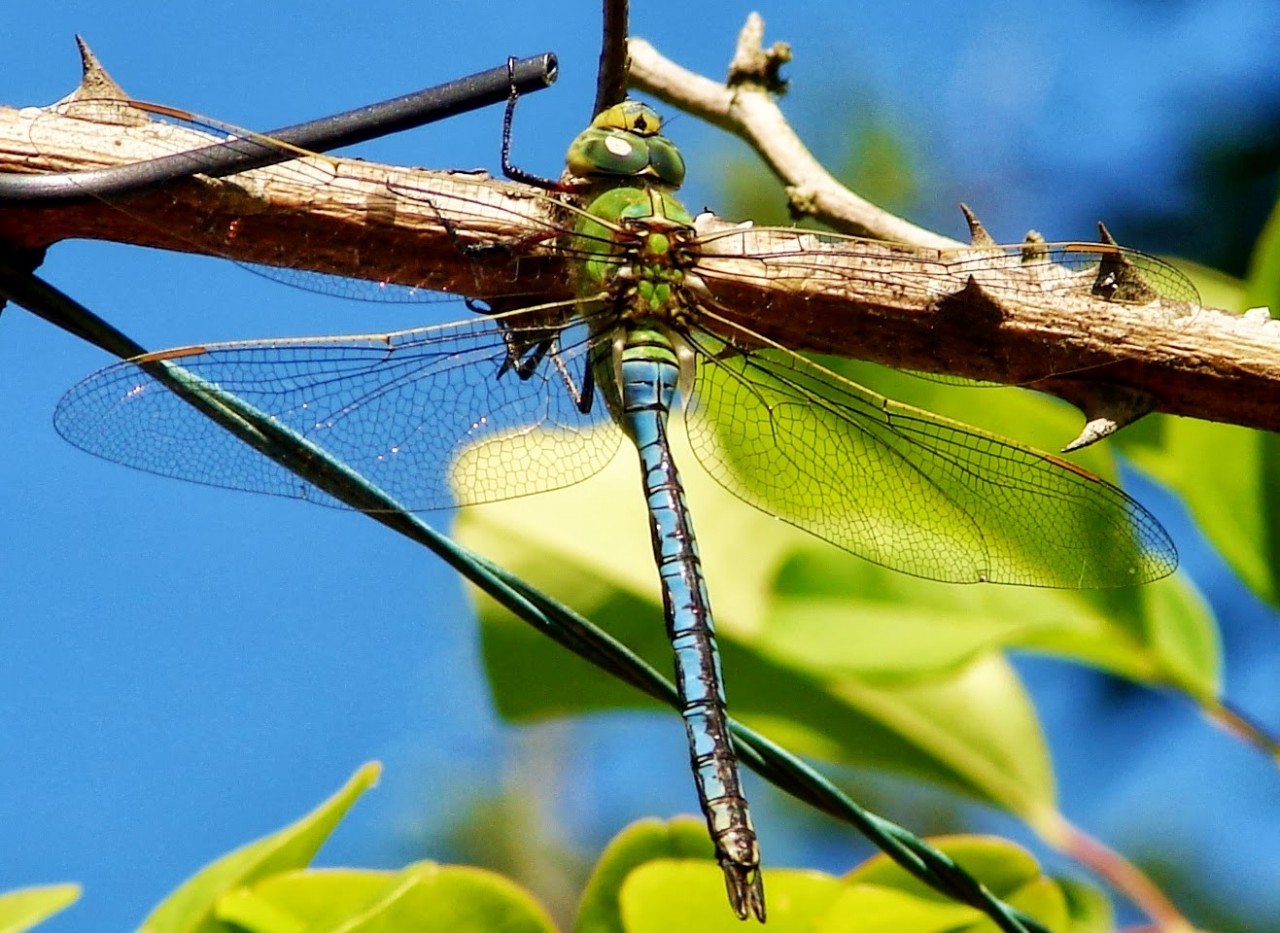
(541, 397)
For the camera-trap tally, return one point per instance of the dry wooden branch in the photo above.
(340, 216)
(446, 232)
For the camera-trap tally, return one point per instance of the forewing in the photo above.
(435, 417)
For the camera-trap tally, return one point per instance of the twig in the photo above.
(611, 80)
(1118, 872)
(745, 107)
(385, 223)
(1236, 723)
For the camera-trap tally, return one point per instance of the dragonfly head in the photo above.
(624, 141)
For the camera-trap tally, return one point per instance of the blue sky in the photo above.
(182, 668)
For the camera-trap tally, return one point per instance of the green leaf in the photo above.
(23, 908)
(1227, 477)
(999, 864)
(896, 627)
(1263, 285)
(1160, 634)
(672, 894)
(821, 650)
(1217, 289)
(643, 841)
(191, 907)
(657, 876)
(424, 897)
(870, 909)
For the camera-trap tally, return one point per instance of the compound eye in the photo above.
(599, 151)
(666, 161)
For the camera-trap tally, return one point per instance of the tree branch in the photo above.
(611, 76)
(437, 230)
(745, 107)
(885, 302)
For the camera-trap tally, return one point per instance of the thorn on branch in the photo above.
(973, 304)
(1118, 279)
(978, 235)
(1107, 408)
(95, 82)
(1033, 247)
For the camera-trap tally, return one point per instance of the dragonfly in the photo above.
(517, 401)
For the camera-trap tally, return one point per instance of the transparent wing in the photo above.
(440, 416)
(908, 489)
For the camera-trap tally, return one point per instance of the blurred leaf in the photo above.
(1217, 289)
(423, 897)
(1227, 478)
(644, 840)
(1263, 285)
(508, 831)
(191, 907)
(1089, 908)
(871, 146)
(748, 191)
(872, 909)
(675, 894)
(965, 724)
(999, 864)
(23, 908)
(1161, 634)
(878, 165)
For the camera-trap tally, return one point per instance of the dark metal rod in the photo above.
(20, 285)
(240, 155)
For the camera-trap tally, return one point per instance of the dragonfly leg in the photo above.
(588, 392)
(514, 172)
(585, 396)
(519, 357)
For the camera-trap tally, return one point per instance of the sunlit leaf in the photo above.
(191, 907)
(424, 897)
(660, 875)
(887, 893)
(23, 908)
